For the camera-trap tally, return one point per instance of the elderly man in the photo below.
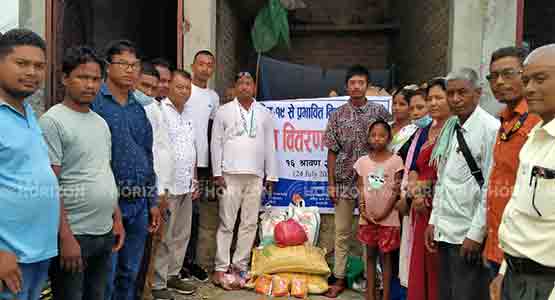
(528, 223)
(463, 154)
(243, 154)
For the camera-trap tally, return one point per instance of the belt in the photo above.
(527, 266)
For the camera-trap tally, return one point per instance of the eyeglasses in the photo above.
(243, 74)
(506, 74)
(126, 66)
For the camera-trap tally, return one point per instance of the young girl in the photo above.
(379, 179)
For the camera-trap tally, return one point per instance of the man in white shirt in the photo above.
(146, 91)
(526, 234)
(182, 190)
(458, 221)
(243, 154)
(203, 105)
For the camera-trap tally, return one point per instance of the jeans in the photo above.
(34, 279)
(96, 251)
(493, 268)
(125, 264)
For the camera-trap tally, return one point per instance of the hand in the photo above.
(429, 239)
(332, 193)
(70, 253)
(10, 273)
(219, 181)
(269, 187)
(163, 203)
(470, 250)
(155, 219)
(495, 288)
(402, 206)
(419, 204)
(119, 234)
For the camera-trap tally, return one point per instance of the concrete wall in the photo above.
(233, 44)
(202, 35)
(422, 47)
(477, 28)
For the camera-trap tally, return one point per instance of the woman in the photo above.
(418, 112)
(423, 275)
(405, 115)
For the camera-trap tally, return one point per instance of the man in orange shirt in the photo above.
(506, 84)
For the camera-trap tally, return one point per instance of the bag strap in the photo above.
(463, 146)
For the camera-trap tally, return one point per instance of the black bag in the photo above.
(463, 146)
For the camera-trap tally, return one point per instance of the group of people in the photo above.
(101, 192)
(458, 199)
(105, 186)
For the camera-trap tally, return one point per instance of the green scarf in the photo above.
(444, 141)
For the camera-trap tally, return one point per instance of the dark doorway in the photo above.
(152, 25)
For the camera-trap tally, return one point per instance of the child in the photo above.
(379, 179)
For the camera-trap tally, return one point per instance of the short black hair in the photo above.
(385, 125)
(148, 68)
(20, 37)
(118, 47)
(182, 73)
(203, 52)
(438, 81)
(161, 62)
(357, 70)
(79, 55)
(409, 94)
(516, 52)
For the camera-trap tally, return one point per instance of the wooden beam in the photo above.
(309, 28)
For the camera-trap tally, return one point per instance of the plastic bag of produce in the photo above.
(289, 233)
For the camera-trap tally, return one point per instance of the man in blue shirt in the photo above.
(132, 164)
(29, 199)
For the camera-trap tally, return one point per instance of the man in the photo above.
(182, 190)
(28, 187)
(163, 68)
(457, 224)
(528, 223)
(132, 164)
(79, 147)
(346, 138)
(146, 91)
(516, 123)
(243, 154)
(203, 103)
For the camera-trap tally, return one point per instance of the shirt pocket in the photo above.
(542, 196)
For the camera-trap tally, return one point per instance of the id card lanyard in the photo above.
(249, 130)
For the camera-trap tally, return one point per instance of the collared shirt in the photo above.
(204, 104)
(132, 158)
(347, 135)
(182, 138)
(528, 224)
(503, 173)
(29, 196)
(459, 205)
(234, 151)
(161, 148)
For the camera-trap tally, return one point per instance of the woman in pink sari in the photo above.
(424, 265)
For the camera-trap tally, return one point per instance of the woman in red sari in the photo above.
(424, 265)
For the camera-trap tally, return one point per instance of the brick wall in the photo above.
(232, 44)
(336, 50)
(539, 25)
(422, 47)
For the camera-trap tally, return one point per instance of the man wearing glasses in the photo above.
(132, 164)
(516, 123)
(528, 223)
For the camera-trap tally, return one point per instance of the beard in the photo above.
(17, 94)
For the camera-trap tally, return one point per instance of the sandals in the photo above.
(335, 291)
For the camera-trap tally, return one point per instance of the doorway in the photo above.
(154, 26)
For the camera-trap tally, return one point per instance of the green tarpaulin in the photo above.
(271, 27)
